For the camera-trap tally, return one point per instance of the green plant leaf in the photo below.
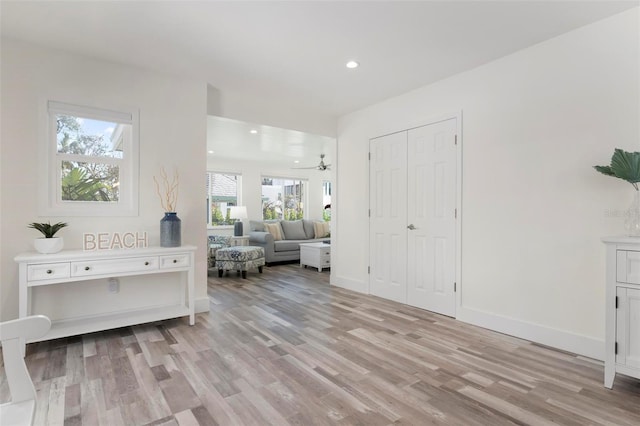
(605, 170)
(47, 229)
(624, 165)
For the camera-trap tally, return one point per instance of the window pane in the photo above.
(326, 200)
(222, 193)
(282, 198)
(85, 136)
(90, 182)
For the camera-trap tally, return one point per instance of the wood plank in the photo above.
(285, 347)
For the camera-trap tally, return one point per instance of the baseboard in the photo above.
(560, 339)
(202, 305)
(349, 284)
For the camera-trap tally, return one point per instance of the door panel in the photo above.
(431, 203)
(633, 336)
(388, 236)
(628, 327)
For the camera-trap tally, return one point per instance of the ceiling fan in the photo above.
(321, 166)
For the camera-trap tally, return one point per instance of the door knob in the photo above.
(411, 227)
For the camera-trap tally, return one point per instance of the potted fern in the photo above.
(626, 166)
(49, 243)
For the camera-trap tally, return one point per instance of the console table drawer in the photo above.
(48, 271)
(628, 266)
(174, 261)
(113, 266)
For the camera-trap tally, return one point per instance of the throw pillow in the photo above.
(274, 229)
(321, 229)
(308, 229)
(293, 230)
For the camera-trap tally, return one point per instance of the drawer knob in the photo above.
(49, 271)
(175, 260)
(146, 263)
(86, 268)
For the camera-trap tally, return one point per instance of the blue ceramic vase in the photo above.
(170, 234)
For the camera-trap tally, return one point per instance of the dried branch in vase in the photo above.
(169, 192)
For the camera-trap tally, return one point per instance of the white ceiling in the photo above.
(278, 147)
(294, 52)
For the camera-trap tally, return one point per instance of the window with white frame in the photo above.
(223, 191)
(326, 200)
(92, 161)
(283, 198)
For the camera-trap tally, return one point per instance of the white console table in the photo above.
(622, 334)
(76, 265)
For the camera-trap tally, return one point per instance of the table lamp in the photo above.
(239, 213)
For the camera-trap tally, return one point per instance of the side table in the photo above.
(317, 255)
(242, 240)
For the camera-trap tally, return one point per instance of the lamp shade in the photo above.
(238, 212)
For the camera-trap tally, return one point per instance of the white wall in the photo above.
(534, 210)
(252, 173)
(172, 134)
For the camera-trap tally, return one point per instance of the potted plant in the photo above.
(626, 166)
(49, 243)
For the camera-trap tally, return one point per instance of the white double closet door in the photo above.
(413, 193)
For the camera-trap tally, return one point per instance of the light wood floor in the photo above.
(286, 348)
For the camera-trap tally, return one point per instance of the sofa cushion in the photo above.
(256, 225)
(293, 230)
(321, 229)
(308, 229)
(274, 229)
(287, 245)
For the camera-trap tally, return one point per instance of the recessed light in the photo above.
(296, 161)
(352, 64)
(253, 131)
(210, 152)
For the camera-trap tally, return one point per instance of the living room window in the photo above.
(326, 200)
(223, 191)
(92, 160)
(283, 198)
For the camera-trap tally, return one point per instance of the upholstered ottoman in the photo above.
(239, 258)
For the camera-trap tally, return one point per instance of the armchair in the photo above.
(216, 242)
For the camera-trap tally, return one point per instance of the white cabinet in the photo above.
(622, 340)
(317, 255)
(37, 270)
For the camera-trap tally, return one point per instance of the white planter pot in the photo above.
(48, 245)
